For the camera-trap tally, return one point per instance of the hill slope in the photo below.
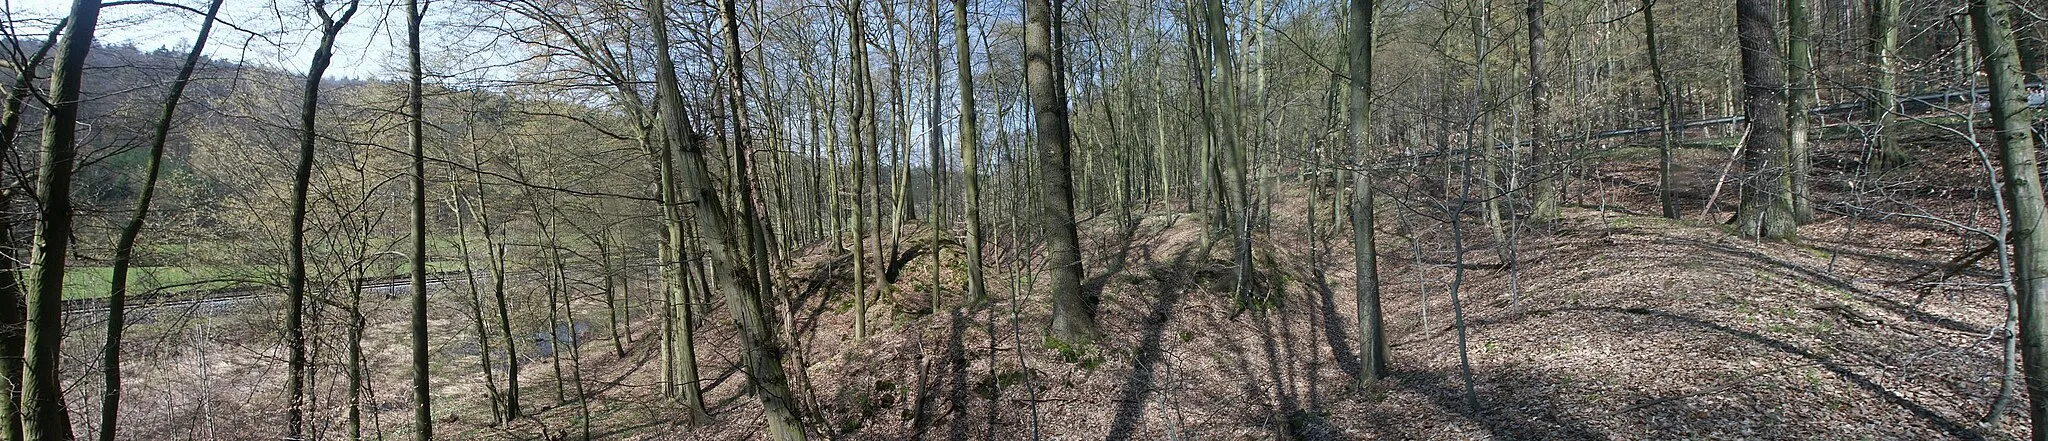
(1629, 327)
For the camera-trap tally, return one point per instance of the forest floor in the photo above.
(1615, 324)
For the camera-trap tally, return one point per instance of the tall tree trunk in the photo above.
(2023, 198)
(864, 154)
(1479, 134)
(935, 141)
(1544, 192)
(1239, 217)
(552, 284)
(422, 386)
(1884, 60)
(609, 272)
(757, 234)
(295, 275)
(2030, 34)
(124, 247)
(492, 396)
(682, 308)
(1213, 193)
(745, 297)
(1766, 209)
(13, 319)
(679, 331)
(970, 142)
(1372, 335)
(564, 305)
(831, 146)
(900, 196)
(1073, 318)
(1159, 145)
(1798, 98)
(1667, 194)
(496, 251)
(42, 397)
(1259, 146)
(357, 382)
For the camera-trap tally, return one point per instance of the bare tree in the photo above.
(1073, 319)
(44, 417)
(1544, 186)
(2024, 199)
(1799, 97)
(1667, 198)
(124, 247)
(1883, 38)
(12, 313)
(415, 139)
(745, 296)
(295, 276)
(1372, 335)
(970, 142)
(1766, 208)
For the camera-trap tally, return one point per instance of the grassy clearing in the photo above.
(94, 282)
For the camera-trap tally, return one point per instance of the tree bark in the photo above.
(295, 278)
(2024, 199)
(1884, 59)
(1073, 319)
(1766, 208)
(422, 386)
(13, 313)
(1798, 98)
(864, 153)
(1544, 192)
(1667, 194)
(496, 251)
(42, 397)
(935, 144)
(900, 196)
(124, 247)
(1238, 219)
(745, 296)
(1372, 335)
(970, 163)
(492, 396)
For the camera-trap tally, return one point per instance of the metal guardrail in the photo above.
(1913, 104)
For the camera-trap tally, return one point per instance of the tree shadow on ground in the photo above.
(1334, 327)
(1910, 312)
(623, 431)
(1508, 417)
(636, 361)
(1919, 411)
(1131, 402)
(1841, 248)
(956, 361)
(1283, 390)
(1126, 242)
(811, 292)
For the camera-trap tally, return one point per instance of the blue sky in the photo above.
(364, 51)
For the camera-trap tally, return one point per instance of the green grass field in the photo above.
(94, 282)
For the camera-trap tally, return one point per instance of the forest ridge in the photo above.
(1044, 219)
